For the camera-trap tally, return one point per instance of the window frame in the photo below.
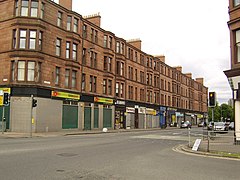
(236, 3)
(74, 51)
(57, 75)
(32, 39)
(24, 7)
(74, 79)
(67, 53)
(58, 47)
(237, 46)
(34, 8)
(69, 23)
(75, 25)
(59, 19)
(67, 78)
(31, 71)
(23, 39)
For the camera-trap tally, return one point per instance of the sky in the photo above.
(189, 33)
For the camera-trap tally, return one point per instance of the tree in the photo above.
(221, 113)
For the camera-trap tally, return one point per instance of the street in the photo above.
(128, 155)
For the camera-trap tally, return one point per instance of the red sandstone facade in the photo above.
(47, 47)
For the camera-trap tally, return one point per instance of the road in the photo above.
(130, 155)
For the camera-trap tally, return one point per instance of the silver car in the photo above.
(220, 126)
(231, 126)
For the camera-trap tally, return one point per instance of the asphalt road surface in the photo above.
(129, 155)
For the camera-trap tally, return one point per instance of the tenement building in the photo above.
(234, 73)
(84, 77)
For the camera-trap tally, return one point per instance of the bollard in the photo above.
(208, 137)
(189, 138)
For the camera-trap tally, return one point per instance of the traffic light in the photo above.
(212, 99)
(34, 103)
(5, 98)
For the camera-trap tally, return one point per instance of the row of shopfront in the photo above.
(57, 110)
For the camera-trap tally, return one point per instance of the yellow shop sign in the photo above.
(103, 100)
(1, 100)
(65, 95)
(6, 90)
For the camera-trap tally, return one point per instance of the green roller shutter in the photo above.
(6, 114)
(70, 117)
(87, 118)
(96, 113)
(107, 117)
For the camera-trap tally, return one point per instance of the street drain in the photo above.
(67, 154)
(60, 170)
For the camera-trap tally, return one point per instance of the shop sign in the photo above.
(162, 108)
(2, 91)
(6, 90)
(65, 95)
(151, 111)
(103, 100)
(172, 109)
(141, 110)
(178, 114)
(1, 100)
(120, 102)
(130, 109)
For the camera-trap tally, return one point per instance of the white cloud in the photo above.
(190, 33)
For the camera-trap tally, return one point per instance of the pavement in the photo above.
(221, 145)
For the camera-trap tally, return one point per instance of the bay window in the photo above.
(31, 70)
(34, 8)
(237, 34)
(32, 40)
(69, 22)
(67, 50)
(67, 76)
(236, 2)
(24, 8)
(21, 71)
(74, 78)
(23, 37)
(74, 51)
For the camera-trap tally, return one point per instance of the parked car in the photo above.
(220, 127)
(186, 124)
(231, 126)
(201, 124)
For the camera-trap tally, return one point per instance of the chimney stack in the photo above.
(66, 3)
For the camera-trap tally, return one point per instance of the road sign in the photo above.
(1, 100)
(196, 144)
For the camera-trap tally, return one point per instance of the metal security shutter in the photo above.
(141, 121)
(107, 117)
(132, 120)
(87, 118)
(96, 113)
(149, 121)
(70, 117)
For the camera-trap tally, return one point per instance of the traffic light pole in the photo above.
(31, 116)
(212, 113)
